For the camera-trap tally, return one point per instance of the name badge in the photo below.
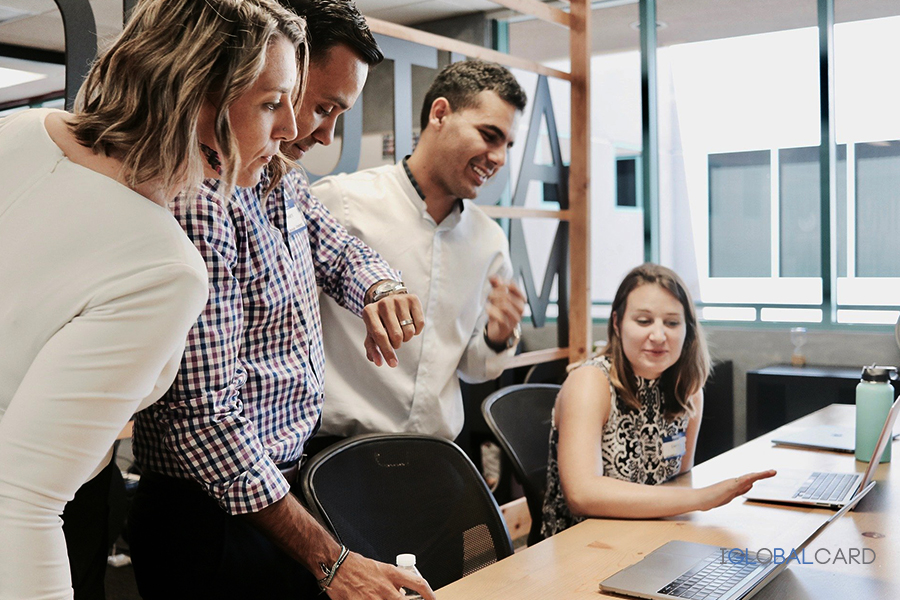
(295, 220)
(674, 446)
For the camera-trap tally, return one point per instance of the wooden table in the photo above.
(570, 565)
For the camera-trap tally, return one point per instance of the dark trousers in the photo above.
(86, 527)
(183, 545)
(320, 442)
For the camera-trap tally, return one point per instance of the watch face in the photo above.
(387, 286)
(514, 338)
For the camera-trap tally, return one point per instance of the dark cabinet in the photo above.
(782, 393)
(717, 427)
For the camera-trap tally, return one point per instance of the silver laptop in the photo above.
(686, 570)
(822, 488)
(824, 437)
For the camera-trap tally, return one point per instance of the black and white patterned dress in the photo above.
(631, 446)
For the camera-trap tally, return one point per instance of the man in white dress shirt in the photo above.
(418, 215)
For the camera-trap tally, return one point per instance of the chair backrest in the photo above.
(554, 371)
(519, 415)
(389, 494)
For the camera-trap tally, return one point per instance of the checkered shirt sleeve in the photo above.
(199, 430)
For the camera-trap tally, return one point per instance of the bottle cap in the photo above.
(879, 374)
(406, 560)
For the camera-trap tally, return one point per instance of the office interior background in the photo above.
(738, 124)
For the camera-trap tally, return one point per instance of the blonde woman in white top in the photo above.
(98, 283)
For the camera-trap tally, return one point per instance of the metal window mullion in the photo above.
(650, 130)
(827, 159)
(851, 210)
(775, 211)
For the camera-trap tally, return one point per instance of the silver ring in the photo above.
(406, 322)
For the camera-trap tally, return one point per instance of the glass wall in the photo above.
(866, 53)
(739, 162)
(616, 195)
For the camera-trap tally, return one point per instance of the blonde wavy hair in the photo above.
(689, 373)
(141, 100)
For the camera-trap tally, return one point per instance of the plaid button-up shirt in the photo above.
(251, 384)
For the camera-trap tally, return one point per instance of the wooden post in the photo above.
(580, 183)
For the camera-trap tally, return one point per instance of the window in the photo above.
(748, 212)
(747, 144)
(739, 176)
(628, 182)
(739, 214)
(877, 210)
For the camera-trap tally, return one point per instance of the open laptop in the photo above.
(821, 488)
(687, 570)
(824, 437)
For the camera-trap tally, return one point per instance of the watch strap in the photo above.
(510, 342)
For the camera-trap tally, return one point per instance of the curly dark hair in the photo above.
(333, 22)
(461, 82)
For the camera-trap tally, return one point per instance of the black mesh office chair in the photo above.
(519, 415)
(384, 495)
(548, 372)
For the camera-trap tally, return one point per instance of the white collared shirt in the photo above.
(448, 266)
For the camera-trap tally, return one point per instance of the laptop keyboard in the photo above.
(828, 487)
(711, 578)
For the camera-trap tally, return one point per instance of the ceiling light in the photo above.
(11, 77)
(514, 16)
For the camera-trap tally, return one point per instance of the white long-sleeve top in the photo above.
(98, 288)
(448, 265)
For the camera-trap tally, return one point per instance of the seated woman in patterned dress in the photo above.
(627, 419)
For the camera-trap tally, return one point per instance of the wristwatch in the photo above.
(387, 288)
(510, 342)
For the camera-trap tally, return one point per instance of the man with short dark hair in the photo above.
(416, 214)
(213, 516)
(341, 50)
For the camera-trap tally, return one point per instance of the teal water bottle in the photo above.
(874, 396)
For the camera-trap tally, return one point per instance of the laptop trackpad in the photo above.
(658, 568)
(782, 486)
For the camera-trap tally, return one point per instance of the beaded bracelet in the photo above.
(330, 573)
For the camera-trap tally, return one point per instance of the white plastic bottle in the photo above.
(407, 562)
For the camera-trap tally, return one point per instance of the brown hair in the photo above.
(142, 97)
(689, 373)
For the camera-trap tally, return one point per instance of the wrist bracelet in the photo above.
(330, 573)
